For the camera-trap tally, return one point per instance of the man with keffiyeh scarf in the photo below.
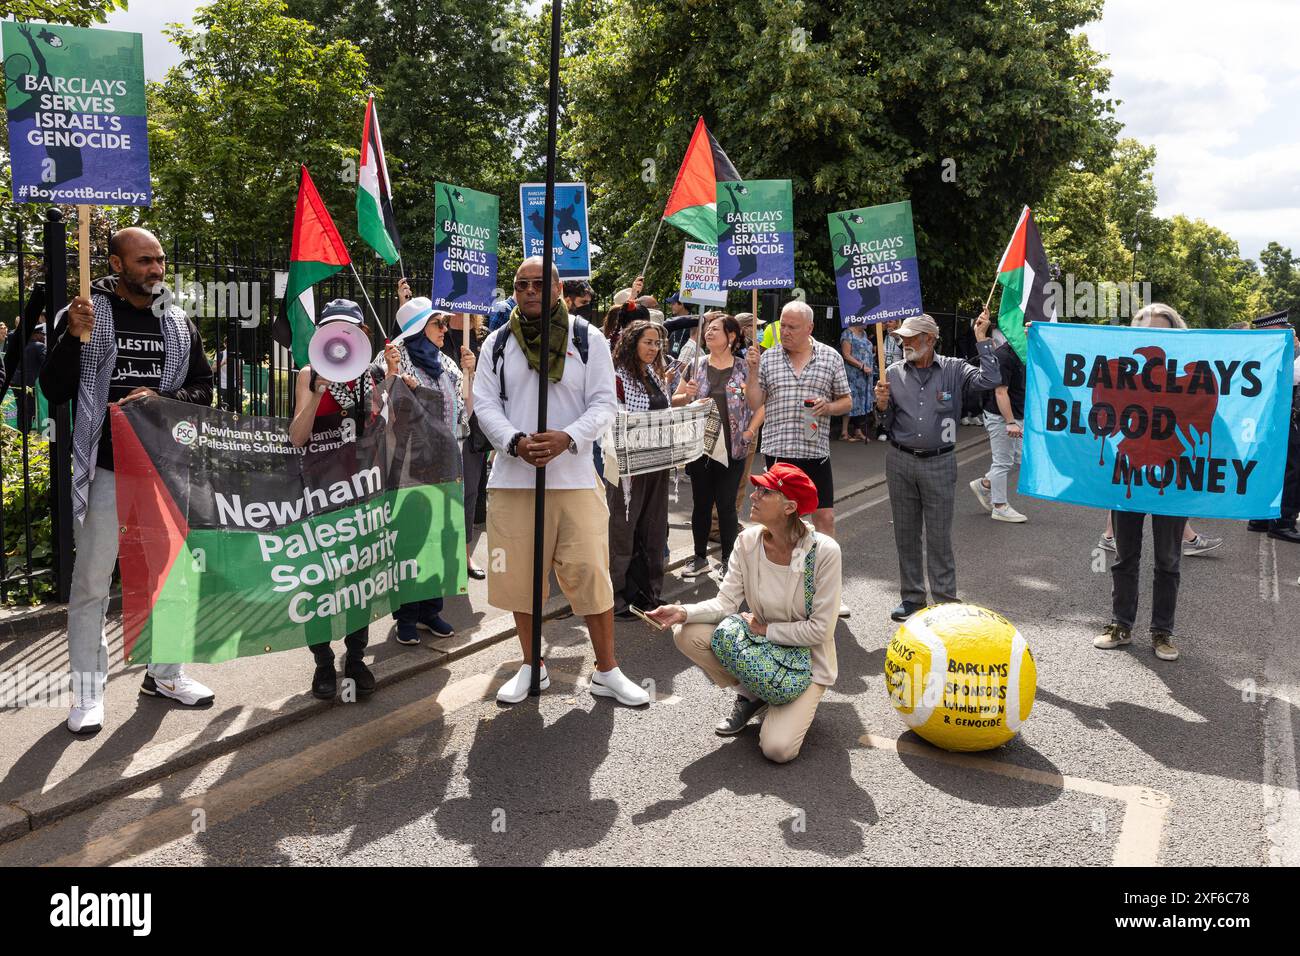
(581, 404)
(137, 345)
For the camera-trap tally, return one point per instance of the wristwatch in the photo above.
(512, 449)
(573, 446)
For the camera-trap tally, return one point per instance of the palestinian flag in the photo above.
(317, 253)
(235, 544)
(375, 220)
(692, 205)
(1023, 275)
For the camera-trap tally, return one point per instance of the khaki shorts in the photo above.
(576, 548)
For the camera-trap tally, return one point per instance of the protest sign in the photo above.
(1162, 421)
(652, 441)
(572, 249)
(76, 106)
(465, 249)
(756, 234)
(874, 253)
(700, 275)
(236, 543)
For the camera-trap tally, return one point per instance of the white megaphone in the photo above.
(339, 349)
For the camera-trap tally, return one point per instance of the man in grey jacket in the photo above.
(920, 401)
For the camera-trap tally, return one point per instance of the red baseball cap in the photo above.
(791, 482)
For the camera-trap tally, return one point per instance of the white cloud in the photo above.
(1213, 87)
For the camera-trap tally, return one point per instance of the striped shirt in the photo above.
(786, 429)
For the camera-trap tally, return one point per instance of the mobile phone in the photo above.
(643, 616)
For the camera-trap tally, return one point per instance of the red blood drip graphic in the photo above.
(1195, 410)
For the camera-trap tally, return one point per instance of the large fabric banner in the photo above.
(76, 105)
(465, 249)
(756, 234)
(876, 275)
(652, 441)
(572, 249)
(236, 543)
(1162, 421)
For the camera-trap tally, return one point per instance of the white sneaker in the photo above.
(86, 716)
(844, 610)
(516, 689)
(982, 493)
(1008, 513)
(614, 683)
(185, 690)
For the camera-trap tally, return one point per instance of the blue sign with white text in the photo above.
(1184, 422)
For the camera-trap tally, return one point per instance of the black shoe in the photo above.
(324, 683)
(477, 573)
(742, 713)
(360, 675)
(1255, 525)
(1283, 533)
(904, 611)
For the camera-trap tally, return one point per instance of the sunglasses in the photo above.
(523, 285)
(438, 323)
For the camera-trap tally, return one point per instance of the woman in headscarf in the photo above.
(417, 357)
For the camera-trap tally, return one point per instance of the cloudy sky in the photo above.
(1214, 87)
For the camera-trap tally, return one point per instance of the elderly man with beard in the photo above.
(581, 404)
(921, 402)
(137, 346)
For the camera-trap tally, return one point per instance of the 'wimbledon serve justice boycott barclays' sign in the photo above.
(76, 108)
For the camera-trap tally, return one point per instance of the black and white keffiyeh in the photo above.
(98, 359)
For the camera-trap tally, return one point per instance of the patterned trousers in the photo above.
(921, 492)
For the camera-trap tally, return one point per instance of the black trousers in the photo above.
(714, 486)
(1125, 573)
(355, 643)
(1291, 481)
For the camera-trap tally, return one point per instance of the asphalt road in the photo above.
(1124, 758)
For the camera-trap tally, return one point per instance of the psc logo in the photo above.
(185, 433)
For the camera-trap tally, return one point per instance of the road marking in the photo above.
(1144, 808)
(1268, 589)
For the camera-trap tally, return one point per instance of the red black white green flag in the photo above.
(1023, 275)
(235, 543)
(375, 220)
(692, 205)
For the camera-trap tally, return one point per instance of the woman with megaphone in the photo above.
(341, 347)
(416, 357)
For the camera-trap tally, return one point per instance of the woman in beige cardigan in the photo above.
(766, 571)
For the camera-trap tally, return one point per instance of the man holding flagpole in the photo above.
(581, 405)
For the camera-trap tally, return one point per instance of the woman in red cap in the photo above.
(769, 571)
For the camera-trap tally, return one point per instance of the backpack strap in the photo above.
(581, 340)
(809, 563)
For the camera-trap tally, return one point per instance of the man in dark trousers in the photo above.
(138, 346)
(921, 402)
(1284, 528)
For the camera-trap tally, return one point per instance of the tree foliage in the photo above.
(856, 102)
(257, 93)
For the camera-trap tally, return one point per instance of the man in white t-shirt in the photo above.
(581, 404)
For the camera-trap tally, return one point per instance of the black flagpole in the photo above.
(548, 229)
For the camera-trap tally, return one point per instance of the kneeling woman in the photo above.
(789, 575)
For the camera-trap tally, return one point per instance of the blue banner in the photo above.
(1162, 421)
(572, 249)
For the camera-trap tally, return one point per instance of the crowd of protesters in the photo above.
(605, 535)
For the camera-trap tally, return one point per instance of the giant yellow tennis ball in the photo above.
(961, 676)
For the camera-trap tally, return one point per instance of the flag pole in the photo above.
(544, 363)
(646, 267)
(83, 258)
(362, 286)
